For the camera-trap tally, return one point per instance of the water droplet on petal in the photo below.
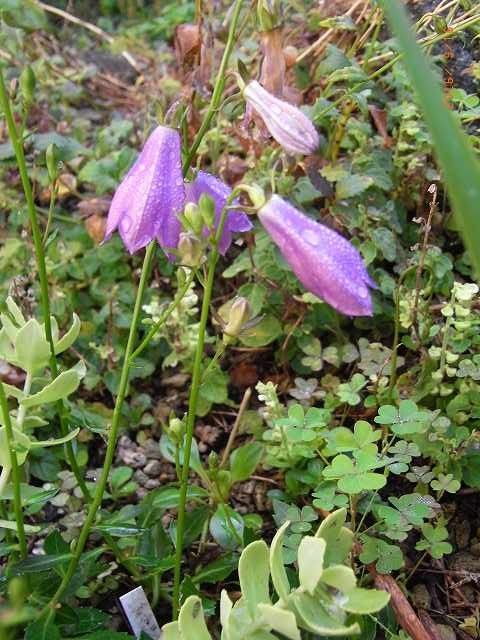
(311, 237)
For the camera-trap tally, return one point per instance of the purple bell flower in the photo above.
(236, 222)
(152, 194)
(323, 260)
(290, 127)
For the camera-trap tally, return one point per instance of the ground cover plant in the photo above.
(239, 319)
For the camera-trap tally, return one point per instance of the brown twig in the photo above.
(236, 425)
(406, 616)
(421, 263)
(90, 27)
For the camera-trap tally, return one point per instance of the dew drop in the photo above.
(311, 237)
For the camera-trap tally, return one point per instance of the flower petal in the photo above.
(236, 221)
(324, 262)
(290, 127)
(148, 199)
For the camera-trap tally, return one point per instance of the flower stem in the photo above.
(197, 376)
(218, 89)
(17, 144)
(161, 321)
(112, 437)
(17, 496)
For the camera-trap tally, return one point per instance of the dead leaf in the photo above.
(95, 226)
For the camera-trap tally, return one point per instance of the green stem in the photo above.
(17, 144)
(17, 496)
(161, 321)
(112, 438)
(218, 89)
(192, 410)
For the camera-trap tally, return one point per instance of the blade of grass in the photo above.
(461, 168)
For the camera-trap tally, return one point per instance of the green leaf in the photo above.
(339, 577)
(21, 443)
(461, 168)
(61, 387)
(310, 562)
(29, 528)
(254, 574)
(245, 460)
(280, 620)
(31, 347)
(69, 338)
(352, 185)
(216, 571)
(226, 527)
(43, 629)
(277, 568)
(37, 564)
(52, 442)
(263, 333)
(365, 601)
(192, 621)
(339, 539)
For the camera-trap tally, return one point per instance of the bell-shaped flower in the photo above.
(219, 192)
(147, 202)
(325, 262)
(290, 127)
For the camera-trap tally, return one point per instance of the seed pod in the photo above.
(51, 160)
(27, 85)
(190, 250)
(240, 314)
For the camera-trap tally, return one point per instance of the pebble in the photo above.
(134, 459)
(153, 468)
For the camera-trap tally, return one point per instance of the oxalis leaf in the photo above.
(460, 167)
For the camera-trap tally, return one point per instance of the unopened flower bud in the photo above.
(207, 210)
(255, 193)
(51, 160)
(269, 14)
(240, 314)
(176, 429)
(213, 462)
(193, 217)
(290, 127)
(27, 85)
(190, 250)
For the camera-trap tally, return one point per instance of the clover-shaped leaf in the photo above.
(407, 419)
(434, 541)
(445, 482)
(414, 507)
(342, 439)
(348, 392)
(420, 474)
(388, 557)
(355, 475)
(327, 498)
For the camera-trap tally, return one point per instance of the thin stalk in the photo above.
(218, 89)
(192, 410)
(161, 321)
(17, 496)
(17, 144)
(112, 438)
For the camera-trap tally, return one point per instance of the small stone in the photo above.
(151, 483)
(152, 450)
(153, 468)
(134, 459)
(475, 549)
(140, 477)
